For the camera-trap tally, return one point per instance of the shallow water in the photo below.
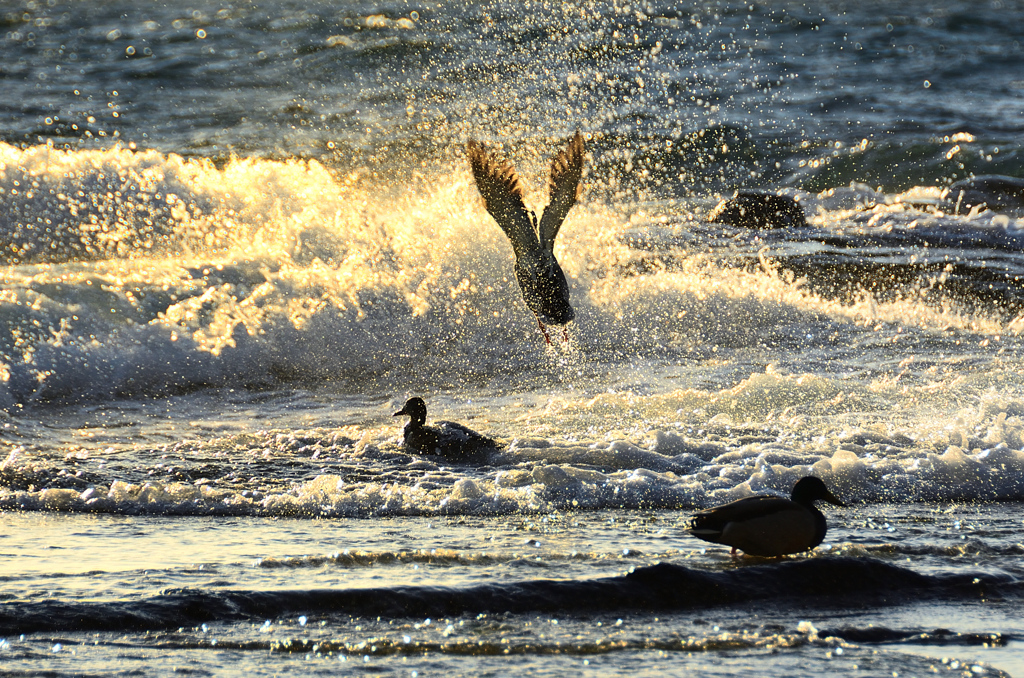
(482, 595)
(236, 238)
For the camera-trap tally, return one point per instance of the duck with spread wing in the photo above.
(540, 278)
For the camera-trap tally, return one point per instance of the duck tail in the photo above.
(704, 526)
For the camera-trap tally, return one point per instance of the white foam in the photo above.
(282, 269)
(675, 458)
(950, 476)
(702, 383)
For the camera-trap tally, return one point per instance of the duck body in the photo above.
(444, 438)
(768, 526)
(544, 287)
(538, 273)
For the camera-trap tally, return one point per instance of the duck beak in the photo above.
(400, 413)
(831, 498)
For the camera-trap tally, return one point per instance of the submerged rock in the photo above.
(993, 191)
(758, 209)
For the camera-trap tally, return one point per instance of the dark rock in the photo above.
(757, 209)
(993, 191)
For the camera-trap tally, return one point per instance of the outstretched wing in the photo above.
(566, 171)
(503, 192)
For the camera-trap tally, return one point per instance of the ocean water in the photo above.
(236, 237)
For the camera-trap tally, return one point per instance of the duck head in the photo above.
(810, 489)
(416, 409)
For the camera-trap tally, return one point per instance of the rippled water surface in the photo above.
(236, 238)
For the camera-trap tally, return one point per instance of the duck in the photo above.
(445, 438)
(768, 526)
(538, 273)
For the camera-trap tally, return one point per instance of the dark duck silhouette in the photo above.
(768, 526)
(445, 438)
(539, 276)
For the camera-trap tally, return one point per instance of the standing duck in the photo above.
(445, 438)
(539, 276)
(768, 526)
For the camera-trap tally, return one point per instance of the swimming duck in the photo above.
(768, 526)
(540, 278)
(445, 438)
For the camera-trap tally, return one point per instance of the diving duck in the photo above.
(768, 526)
(445, 438)
(540, 278)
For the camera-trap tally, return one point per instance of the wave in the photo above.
(805, 634)
(123, 203)
(695, 448)
(160, 275)
(665, 587)
(965, 549)
(838, 641)
(444, 557)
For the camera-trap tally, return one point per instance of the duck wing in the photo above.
(564, 185)
(462, 434)
(712, 521)
(502, 190)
